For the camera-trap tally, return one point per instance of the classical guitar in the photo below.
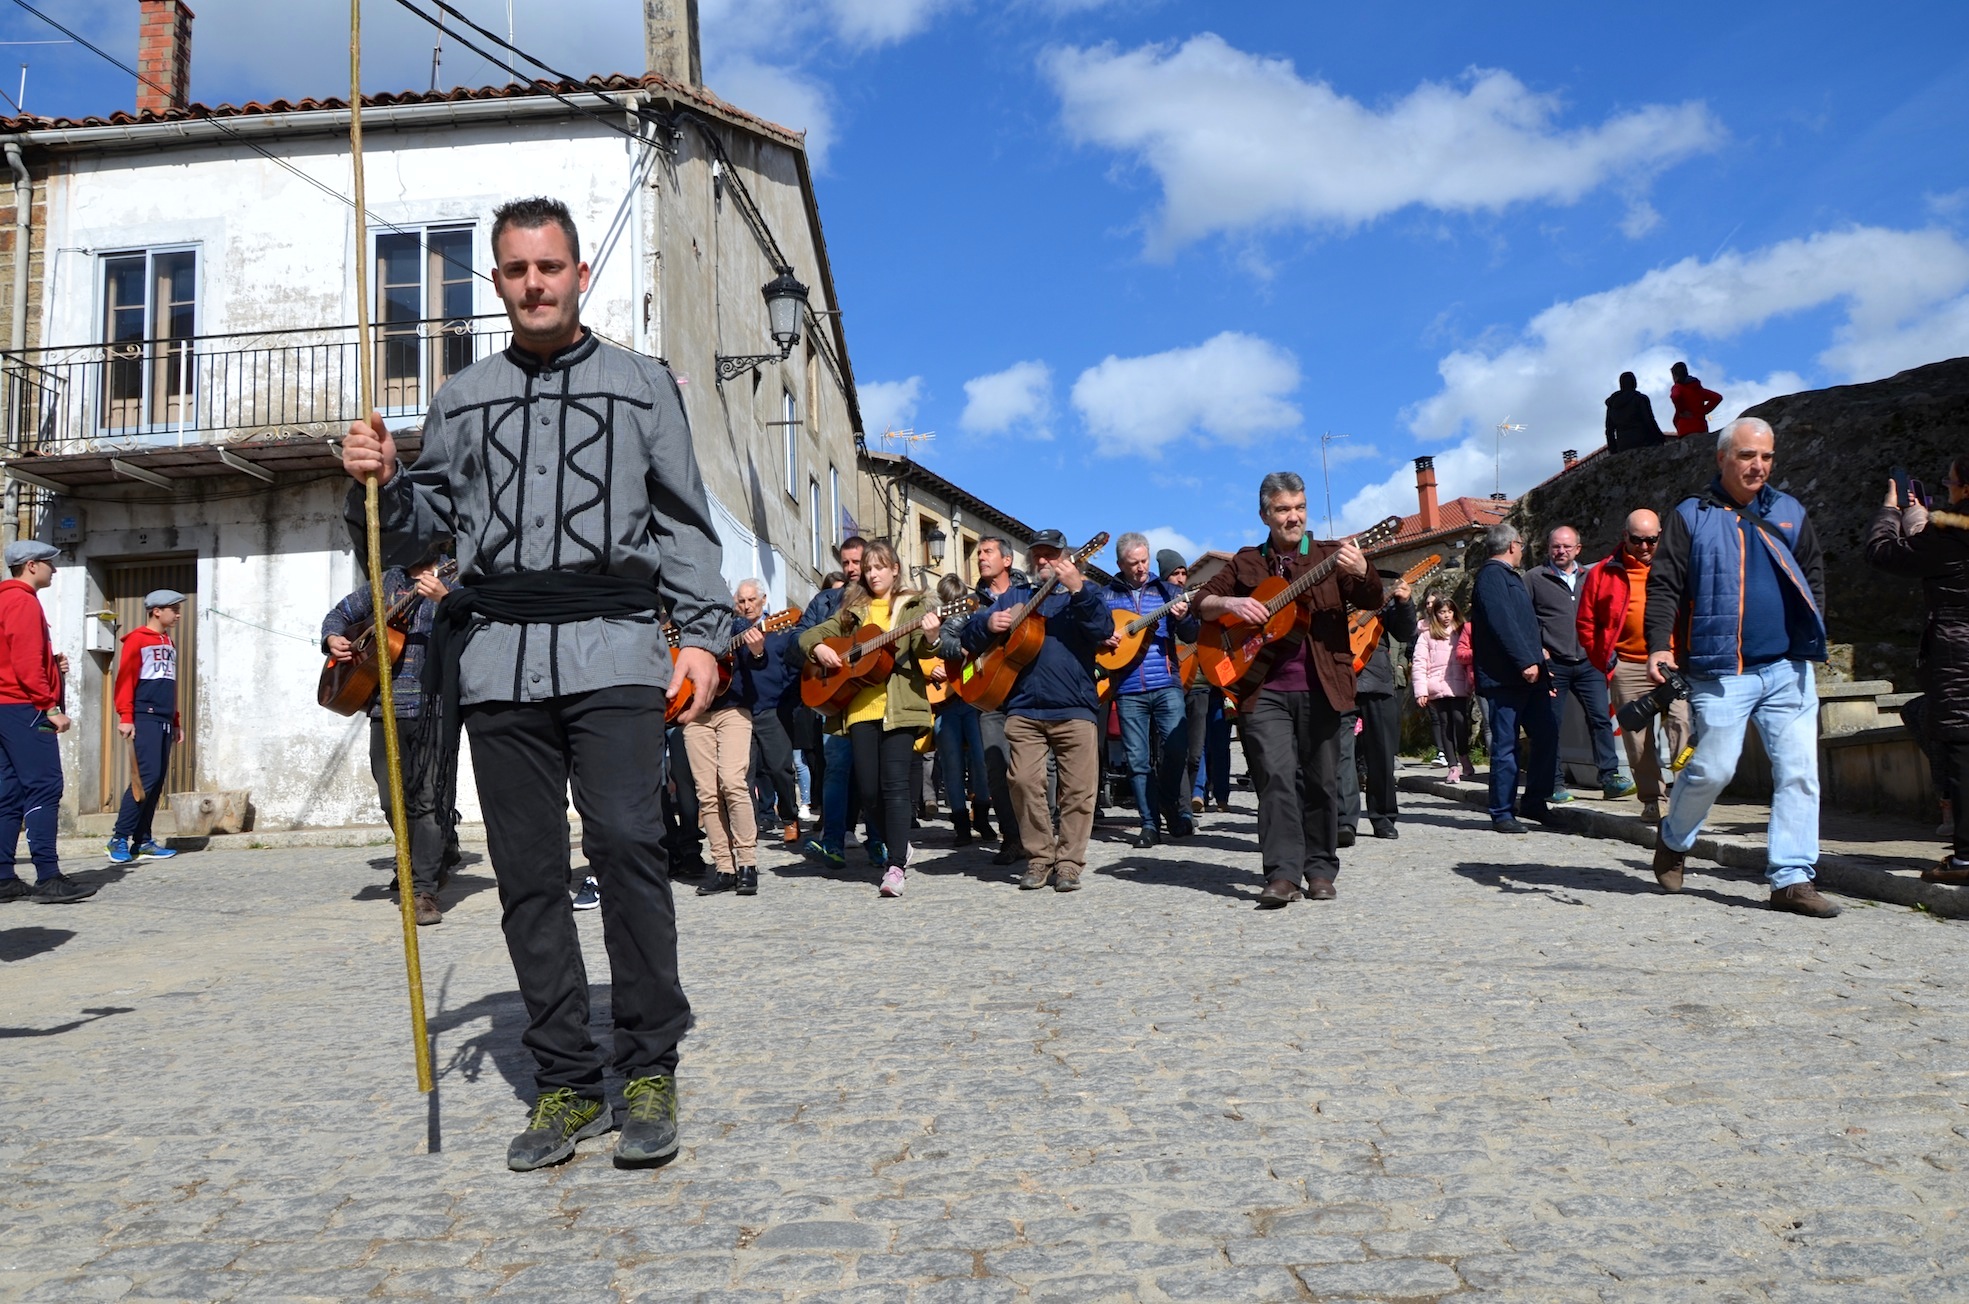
(345, 687)
(1364, 627)
(1134, 632)
(1186, 664)
(769, 625)
(1236, 655)
(867, 657)
(988, 680)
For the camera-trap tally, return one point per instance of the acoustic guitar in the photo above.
(993, 671)
(769, 625)
(345, 687)
(1364, 628)
(1236, 655)
(1134, 632)
(867, 658)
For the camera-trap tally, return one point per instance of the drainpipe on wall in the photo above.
(10, 528)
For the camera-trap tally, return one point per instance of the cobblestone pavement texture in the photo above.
(1495, 1068)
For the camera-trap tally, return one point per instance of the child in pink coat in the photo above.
(1443, 682)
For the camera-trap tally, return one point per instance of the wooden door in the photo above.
(124, 585)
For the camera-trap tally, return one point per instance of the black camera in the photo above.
(1640, 713)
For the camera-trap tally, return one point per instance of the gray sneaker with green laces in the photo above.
(560, 1119)
(649, 1132)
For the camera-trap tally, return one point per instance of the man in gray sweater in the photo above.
(1554, 589)
(563, 468)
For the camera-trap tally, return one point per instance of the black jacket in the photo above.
(1631, 421)
(1503, 628)
(1557, 605)
(1939, 558)
(1398, 625)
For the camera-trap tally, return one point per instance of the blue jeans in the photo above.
(1589, 685)
(801, 777)
(1151, 720)
(1213, 771)
(1507, 709)
(840, 756)
(960, 748)
(1783, 699)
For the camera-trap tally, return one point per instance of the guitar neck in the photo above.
(1301, 586)
(1147, 619)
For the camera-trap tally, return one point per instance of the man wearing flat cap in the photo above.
(1052, 710)
(147, 714)
(30, 717)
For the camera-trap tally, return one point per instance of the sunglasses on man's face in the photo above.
(1644, 540)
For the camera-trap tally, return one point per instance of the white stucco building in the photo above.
(182, 349)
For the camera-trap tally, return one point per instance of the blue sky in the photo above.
(1125, 256)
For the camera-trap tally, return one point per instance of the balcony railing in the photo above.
(207, 388)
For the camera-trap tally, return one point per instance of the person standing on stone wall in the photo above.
(1693, 403)
(31, 686)
(1555, 587)
(1740, 574)
(1613, 604)
(1631, 417)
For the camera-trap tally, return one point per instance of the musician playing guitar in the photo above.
(996, 577)
(883, 719)
(719, 745)
(1154, 722)
(1290, 724)
(433, 842)
(1378, 708)
(1052, 710)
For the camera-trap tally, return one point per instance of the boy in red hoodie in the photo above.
(30, 717)
(147, 714)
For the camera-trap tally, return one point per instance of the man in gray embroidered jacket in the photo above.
(563, 468)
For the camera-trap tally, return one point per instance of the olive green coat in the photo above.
(909, 702)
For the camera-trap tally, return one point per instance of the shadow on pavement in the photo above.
(1239, 885)
(1555, 880)
(498, 1042)
(94, 1012)
(24, 943)
(456, 889)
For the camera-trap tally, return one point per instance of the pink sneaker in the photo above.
(892, 882)
(1455, 774)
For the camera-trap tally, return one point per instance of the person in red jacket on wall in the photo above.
(1612, 602)
(1693, 403)
(147, 714)
(30, 716)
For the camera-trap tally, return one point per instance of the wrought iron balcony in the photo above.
(144, 394)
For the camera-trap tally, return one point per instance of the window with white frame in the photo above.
(150, 316)
(834, 501)
(789, 430)
(814, 535)
(424, 301)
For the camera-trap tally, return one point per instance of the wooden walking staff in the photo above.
(366, 392)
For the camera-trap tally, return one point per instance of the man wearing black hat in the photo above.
(147, 715)
(1053, 711)
(30, 717)
(1378, 710)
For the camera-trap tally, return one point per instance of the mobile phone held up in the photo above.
(1907, 489)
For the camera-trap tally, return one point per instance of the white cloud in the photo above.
(1020, 395)
(1232, 387)
(1241, 142)
(1905, 301)
(1163, 536)
(881, 22)
(888, 404)
(778, 94)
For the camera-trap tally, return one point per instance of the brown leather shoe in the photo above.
(792, 834)
(1034, 878)
(1803, 899)
(426, 905)
(1067, 880)
(1279, 892)
(1668, 866)
(1319, 889)
(1945, 871)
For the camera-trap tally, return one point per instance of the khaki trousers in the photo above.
(719, 744)
(1630, 681)
(1075, 745)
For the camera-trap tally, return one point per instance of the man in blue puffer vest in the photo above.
(1739, 572)
(1154, 720)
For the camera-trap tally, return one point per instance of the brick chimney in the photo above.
(670, 40)
(1425, 493)
(163, 55)
(1571, 455)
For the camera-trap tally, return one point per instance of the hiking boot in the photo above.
(426, 904)
(119, 851)
(13, 889)
(1034, 878)
(649, 1127)
(892, 881)
(1802, 899)
(1668, 866)
(151, 851)
(61, 890)
(590, 895)
(748, 880)
(1067, 880)
(1621, 787)
(560, 1118)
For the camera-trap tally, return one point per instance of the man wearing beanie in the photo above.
(30, 716)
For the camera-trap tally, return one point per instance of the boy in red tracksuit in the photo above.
(30, 716)
(147, 714)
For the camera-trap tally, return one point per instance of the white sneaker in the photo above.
(892, 882)
(806, 813)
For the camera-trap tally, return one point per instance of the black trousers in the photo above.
(683, 833)
(884, 764)
(431, 851)
(606, 747)
(772, 767)
(1292, 745)
(998, 769)
(1957, 755)
(1379, 740)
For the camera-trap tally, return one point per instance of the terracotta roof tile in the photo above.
(1454, 516)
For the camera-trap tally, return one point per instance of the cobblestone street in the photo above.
(1494, 1069)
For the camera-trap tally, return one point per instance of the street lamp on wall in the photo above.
(935, 542)
(786, 306)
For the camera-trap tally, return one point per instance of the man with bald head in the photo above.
(1740, 576)
(1555, 589)
(1613, 602)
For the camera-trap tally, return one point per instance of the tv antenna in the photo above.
(907, 438)
(1325, 440)
(1504, 427)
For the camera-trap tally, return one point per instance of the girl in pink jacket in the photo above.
(1443, 683)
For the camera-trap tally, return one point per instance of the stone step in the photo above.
(1839, 691)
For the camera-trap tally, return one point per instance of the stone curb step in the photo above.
(348, 835)
(1848, 874)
